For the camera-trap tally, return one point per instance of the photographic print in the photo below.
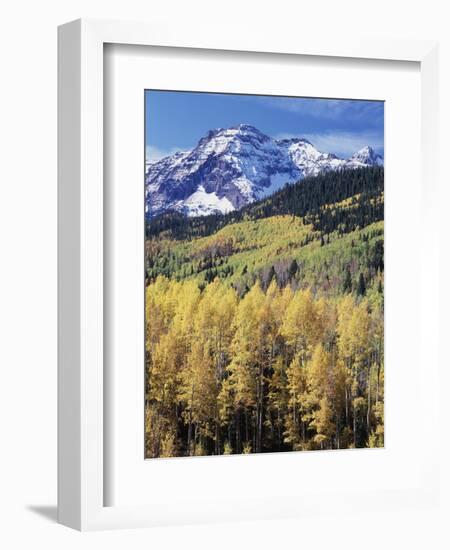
(264, 274)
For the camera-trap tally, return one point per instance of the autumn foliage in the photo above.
(264, 328)
(273, 371)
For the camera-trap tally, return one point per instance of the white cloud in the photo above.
(341, 143)
(328, 109)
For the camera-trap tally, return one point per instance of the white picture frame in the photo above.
(81, 480)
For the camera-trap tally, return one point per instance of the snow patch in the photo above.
(242, 165)
(202, 203)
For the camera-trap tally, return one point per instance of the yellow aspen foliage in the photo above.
(276, 369)
(302, 326)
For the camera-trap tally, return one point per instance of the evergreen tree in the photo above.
(347, 285)
(293, 268)
(361, 285)
(271, 276)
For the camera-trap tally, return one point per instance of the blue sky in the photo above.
(178, 120)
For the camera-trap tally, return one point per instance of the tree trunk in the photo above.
(195, 438)
(346, 407)
(279, 428)
(378, 381)
(261, 412)
(237, 420)
(190, 423)
(246, 425)
(368, 400)
(217, 445)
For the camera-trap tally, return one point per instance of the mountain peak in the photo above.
(222, 137)
(300, 139)
(367, 152)
(366, 155)
(232, 167)
(246, 128)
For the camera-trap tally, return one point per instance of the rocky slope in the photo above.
(232, 167)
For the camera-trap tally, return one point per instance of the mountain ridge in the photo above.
(233, 167)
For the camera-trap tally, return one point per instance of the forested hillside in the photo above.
(265, 325)
(306, 197)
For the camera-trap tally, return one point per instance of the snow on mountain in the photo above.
(366, 157)
(232, 167)
(308, 159)
(201, 203)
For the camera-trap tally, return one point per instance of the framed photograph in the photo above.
(264, 274)
(243, 318)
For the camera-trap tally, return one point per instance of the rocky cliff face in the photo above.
(232, 167)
